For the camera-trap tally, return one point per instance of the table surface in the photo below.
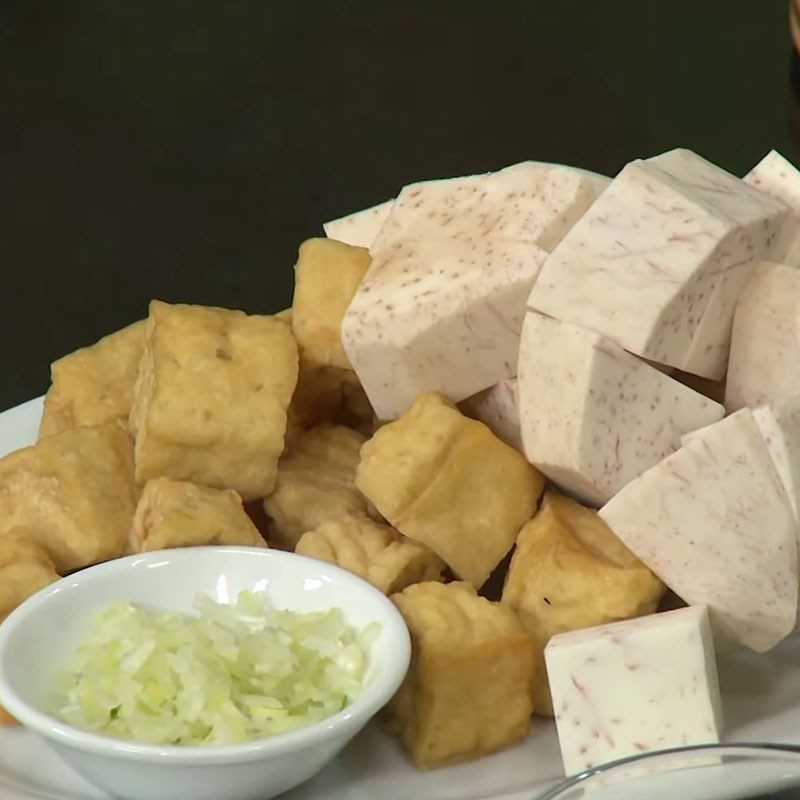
(183, 151)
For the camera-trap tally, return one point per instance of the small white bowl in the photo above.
(37, 639)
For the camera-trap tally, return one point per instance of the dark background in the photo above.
(183, 150)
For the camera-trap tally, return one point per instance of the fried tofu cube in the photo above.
(327, 275)
(319, 395)
(94, 385)
(468, 690)
(75, 490)
(25, 567)
(358, 411)
(448, 482)
(211, 397)
(181, 514)
(373, 551)
(569, 571)
(316, 482)
(328, 394)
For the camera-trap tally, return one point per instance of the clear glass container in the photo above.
(711, 772)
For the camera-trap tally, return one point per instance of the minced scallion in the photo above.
(230, 674)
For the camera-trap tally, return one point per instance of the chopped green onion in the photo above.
(228, 675)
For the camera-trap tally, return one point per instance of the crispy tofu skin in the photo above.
(211, 397)
(570, 571)
(25, 567)
(327, 275)
(75, 490)
(468, 691)
(375, 552)
(328, 394)
(95, 384)
(448, 482)
(315, 483)
(180, 514)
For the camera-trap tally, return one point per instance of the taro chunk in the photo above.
(438, 316)
(778, 177)
(631, 687)
(361, 227)
(594, 417)
(529, 202)
(655, 263)
(714, 522)
(766, 339)
(498, 408)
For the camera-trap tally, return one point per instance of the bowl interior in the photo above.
(38, 638)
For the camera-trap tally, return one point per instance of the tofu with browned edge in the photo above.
(211, 397)
(316, 482)
(326, 276)
(373, 551)
(95, 384)
(181, 514)
(468, 690)
(569, 571)
(75, 490)
(448, 482)
(25, 567)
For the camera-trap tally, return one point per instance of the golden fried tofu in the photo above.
(326, 393)
(448, 482)
(319, 395)
(181, 514)
(95, 384)
(315, 483)
(327, 275)
(373, 551)
(211, 397)
(468, 691)
(75, 490)
(358, 411)
(25, 567)
(569, 571)
(329, 394)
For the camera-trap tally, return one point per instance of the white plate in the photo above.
(761, 697)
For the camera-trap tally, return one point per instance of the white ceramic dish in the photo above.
(761, 695)
(38, 637)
